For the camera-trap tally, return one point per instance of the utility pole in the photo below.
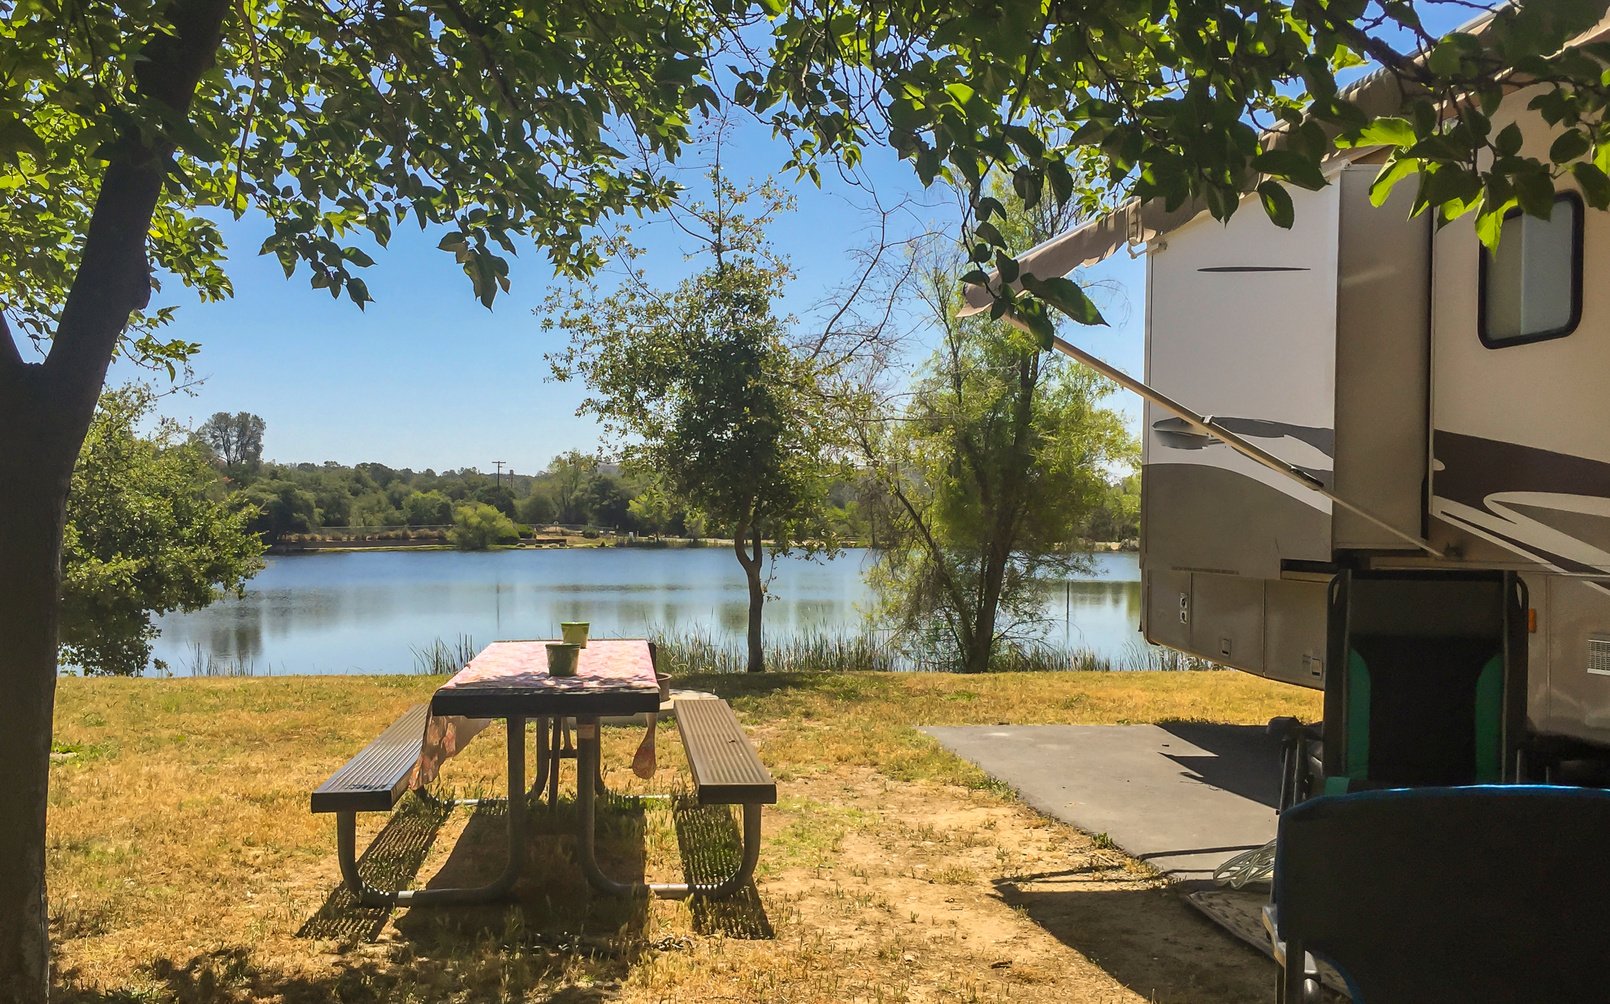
(499, 464)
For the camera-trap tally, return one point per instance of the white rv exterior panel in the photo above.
(1520, 471)
(1227, 620)
(1241, 325)
(1294, 614)
(1166, 612)
(1577, 703)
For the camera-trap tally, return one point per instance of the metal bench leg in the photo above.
(346, 826)
(588, 754)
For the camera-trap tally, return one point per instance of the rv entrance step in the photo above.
(1240, 911)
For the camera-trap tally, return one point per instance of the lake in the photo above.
(370, 612)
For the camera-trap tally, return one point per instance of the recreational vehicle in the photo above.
(1365, 402)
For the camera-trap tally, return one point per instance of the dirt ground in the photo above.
(930, 892)
(185, 867)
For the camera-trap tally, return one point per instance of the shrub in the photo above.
(477, 526)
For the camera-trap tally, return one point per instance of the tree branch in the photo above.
(113, 277)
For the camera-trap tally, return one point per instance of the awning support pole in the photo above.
(1207, 426)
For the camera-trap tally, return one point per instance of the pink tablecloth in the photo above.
(507, 667)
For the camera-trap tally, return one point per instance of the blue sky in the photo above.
(426, 377)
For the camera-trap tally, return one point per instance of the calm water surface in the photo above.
(369, 612)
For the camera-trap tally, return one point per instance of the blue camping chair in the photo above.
(1487, 894)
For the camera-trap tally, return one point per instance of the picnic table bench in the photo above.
(725, 770)
(724, 766)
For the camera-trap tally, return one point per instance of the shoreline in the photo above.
(679, 544)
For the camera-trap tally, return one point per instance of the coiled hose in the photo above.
(1254, 867)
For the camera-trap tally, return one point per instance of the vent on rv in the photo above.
(1599, 655)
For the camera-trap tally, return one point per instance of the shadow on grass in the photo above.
(712, 847)
(553, 907)
(555, 940)
(391, 862)
(1143, 935)
(731, 685)
(229, 975)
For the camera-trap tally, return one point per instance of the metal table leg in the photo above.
(588, 765)
(346, 846)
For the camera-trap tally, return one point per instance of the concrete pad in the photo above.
(1182, 796)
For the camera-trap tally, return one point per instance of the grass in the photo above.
(184, 864)
(690, 652)
(442, 658)
(823, 652)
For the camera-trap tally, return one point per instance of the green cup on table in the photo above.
(562, 658)
(575, 632)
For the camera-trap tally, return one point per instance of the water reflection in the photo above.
(369, 612)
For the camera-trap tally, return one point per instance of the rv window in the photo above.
(1532, 288)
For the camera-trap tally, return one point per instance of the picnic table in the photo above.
(509, 680)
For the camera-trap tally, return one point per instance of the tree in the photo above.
(428, 509)
(608, 505)
(237, 440)
(148, 531)
(571, 473)
(477, 526)
(123, 129)
(719, 408)
(1117, 518)
(651, 508)
(279, 508)
(995, 463)
(537, 509)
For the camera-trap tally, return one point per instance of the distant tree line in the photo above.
(576, 489)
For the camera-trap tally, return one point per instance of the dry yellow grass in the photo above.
(184, 864)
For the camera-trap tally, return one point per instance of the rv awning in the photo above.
(1131, 224)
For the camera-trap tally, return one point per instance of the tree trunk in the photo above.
(749, 556)
(36, 461)
(45, 410)
(991, 581)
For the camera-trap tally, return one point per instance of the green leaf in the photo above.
(1535, 192)
(1569, 146)
(1032, 318)
(1292, 166)
(1595, 184)
(1065, 295)
(1007, 266)
(1385, 131)
(16, 136)
(1508, 141)
(1277, 203)
(1490, 222)
(1392, 172)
